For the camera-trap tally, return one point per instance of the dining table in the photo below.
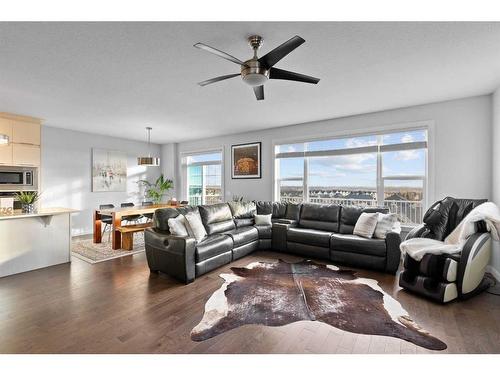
(117, 214)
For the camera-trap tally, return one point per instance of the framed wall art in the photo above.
(109, 170)
(246, 160)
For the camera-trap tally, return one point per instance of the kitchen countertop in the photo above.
(18, 214)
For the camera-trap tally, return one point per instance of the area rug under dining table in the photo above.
(90, 252)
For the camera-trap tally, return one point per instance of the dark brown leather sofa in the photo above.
(308, 230)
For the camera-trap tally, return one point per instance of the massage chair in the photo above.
(447, 277)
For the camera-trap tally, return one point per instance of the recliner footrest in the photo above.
(431, 288)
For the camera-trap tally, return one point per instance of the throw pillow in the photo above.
(366, 224)
(263, 219)
(177, 226)
(385, 224)
(195, 226)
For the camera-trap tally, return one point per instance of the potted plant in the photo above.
(156, 191)
(27, 200)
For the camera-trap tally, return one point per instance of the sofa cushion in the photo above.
(212, 246)
(161, 216)
(386, 222)
(366, 224)
(277, 209)
(309, 236)
(244, 222)
(284, 221)
(265, 231)
(217, 218)
(292, 211)
(263, 219)
(320, 216)
(356, 244)
(242, 210)
(243, 235)
(349, 215)
(194, 226)
(177, 226)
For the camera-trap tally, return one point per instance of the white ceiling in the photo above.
(117, 78)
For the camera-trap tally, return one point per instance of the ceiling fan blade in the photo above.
(281, 51)
(217, 52)
(259, 92)
(217, 79)
(276, 73)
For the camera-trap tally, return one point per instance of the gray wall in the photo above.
(460, 146)
(66, 173)
(460, 160)
(495, 172)
(169, 164)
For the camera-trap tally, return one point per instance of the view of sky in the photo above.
(346, 170)
(357, 169)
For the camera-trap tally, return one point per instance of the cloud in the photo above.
(358, 163)
(359, 142)
(407, 155)
(327, 174)
(407, 138)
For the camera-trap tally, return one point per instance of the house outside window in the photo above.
(202, 177)
(383, 169)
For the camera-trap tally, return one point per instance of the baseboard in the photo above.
(494, 272)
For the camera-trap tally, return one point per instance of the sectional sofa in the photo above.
(308, 230)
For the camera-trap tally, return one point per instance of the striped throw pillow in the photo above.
(385, 224)
(366, 224)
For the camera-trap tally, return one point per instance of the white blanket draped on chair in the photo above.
(487, 212)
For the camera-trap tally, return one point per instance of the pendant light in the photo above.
(148, 160)
(4, 139)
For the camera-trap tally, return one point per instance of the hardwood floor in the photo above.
(118, 307)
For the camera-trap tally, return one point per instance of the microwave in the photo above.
(18, 178)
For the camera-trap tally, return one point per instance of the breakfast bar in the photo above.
(29, 241)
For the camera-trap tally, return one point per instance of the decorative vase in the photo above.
(28, 208)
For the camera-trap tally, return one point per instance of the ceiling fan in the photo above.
(256, 71)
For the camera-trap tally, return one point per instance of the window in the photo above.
(202, 173)
(370, 170)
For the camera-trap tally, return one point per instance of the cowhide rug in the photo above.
(276, 294)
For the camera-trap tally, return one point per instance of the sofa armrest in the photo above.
(392, 242)
(278, 237)
(173, 255)
(416, 232)
(290, 222)
(474, 257)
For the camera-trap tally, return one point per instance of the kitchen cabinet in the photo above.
(26, 133)
(25, 154)
(6, 154)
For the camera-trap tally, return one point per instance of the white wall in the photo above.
(460, 146)
(495, 172)
(169, 164)
(66, 173)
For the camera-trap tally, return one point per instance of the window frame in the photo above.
(428, 178)
(184, 168)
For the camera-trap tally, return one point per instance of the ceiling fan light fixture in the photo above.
(256, 71)
(148, 161)
(255, 79)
